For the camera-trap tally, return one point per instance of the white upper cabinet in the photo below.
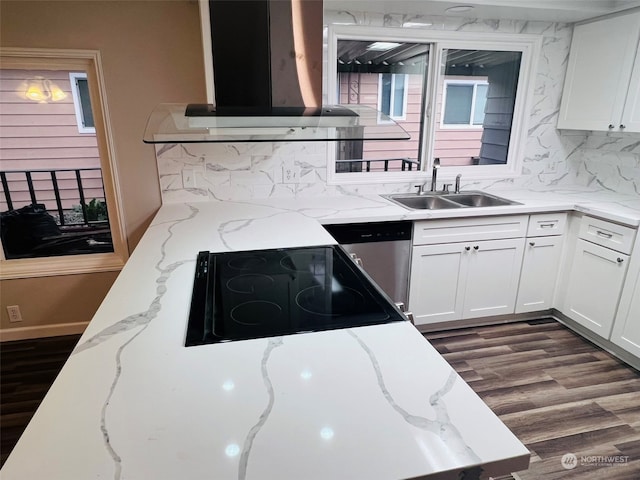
(602, 86)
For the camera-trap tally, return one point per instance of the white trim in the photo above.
(528, 45)
(73, 60)
(77, 102)
(42, 331)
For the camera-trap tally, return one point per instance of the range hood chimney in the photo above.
(263, 63)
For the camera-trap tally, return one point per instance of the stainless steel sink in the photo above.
(423, 202)
(479, 200)
(437, 201)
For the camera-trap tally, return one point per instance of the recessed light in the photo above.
(382, 46)
(459, 9)
(416, 24)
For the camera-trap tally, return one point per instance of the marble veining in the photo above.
(132, 321)
(246, 450)
(442, 425)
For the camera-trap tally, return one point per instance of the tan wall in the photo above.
(151, 53)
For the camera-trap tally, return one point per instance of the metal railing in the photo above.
(407, 164)
(56, 190)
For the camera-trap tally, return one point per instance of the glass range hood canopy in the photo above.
(201, 123)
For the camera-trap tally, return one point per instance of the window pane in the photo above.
(52, 203)
(481, 103)
(458, 104)
(380, 79)
(385, 93)
(487, 143)
(85, 102)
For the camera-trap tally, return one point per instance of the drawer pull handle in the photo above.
(604, 234)
(611, 126)
(476, 247)
(620, 260)
(467, 248)
(533, 244)
(547, 225)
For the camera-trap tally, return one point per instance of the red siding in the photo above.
(44, 136)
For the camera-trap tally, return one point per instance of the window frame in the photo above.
(461, 126)
(89, 61)
(77, 102)
(405, 92)
(529, 45)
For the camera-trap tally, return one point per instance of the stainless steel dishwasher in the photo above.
(384, 249)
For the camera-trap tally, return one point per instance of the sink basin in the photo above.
(479, 200)
(423, 202)
(437, 201)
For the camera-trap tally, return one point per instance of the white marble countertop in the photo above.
(369, 402)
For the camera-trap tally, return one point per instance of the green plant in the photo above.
(96, 210)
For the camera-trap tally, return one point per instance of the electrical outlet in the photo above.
(290, 171)
(14, 313)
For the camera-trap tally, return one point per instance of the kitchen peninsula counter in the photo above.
(375, 402)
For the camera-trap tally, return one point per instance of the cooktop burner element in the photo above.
(343, 301)
(243, 295)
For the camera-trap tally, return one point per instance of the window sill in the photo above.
(64, 265)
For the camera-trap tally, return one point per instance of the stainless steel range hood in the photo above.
(263, 60)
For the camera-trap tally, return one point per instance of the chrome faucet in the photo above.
(457, 187)
(434, 175)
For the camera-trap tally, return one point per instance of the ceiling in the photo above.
(544, 10)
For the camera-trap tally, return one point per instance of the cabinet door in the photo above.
(598, 73)
(631, 114)
(436, 285)
(539, 273)
(626, 330)
(595, 283)
(492, 279)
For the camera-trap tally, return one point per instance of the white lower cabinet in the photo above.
(542, 256)
(595, 282)
(626, 328)
(464, 280)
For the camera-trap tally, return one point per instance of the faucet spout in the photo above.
(458, 177)
(434, 175)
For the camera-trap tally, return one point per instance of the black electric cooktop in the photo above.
(265, 293)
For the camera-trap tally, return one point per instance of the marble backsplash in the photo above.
(552, 158)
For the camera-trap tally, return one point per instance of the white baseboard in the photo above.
(40, 331)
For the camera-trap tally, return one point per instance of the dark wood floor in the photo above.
(557, 393)
(27, 370)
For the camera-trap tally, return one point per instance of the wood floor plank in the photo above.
(27, 371)
(557, 392)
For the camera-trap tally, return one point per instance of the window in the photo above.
(58, 202)
(461, 96)
(389, 77)
(392, 95)
(464, 102)
(82, 102)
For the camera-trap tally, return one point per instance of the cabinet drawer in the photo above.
(544, 224)
(429, 232)
(606, 234)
